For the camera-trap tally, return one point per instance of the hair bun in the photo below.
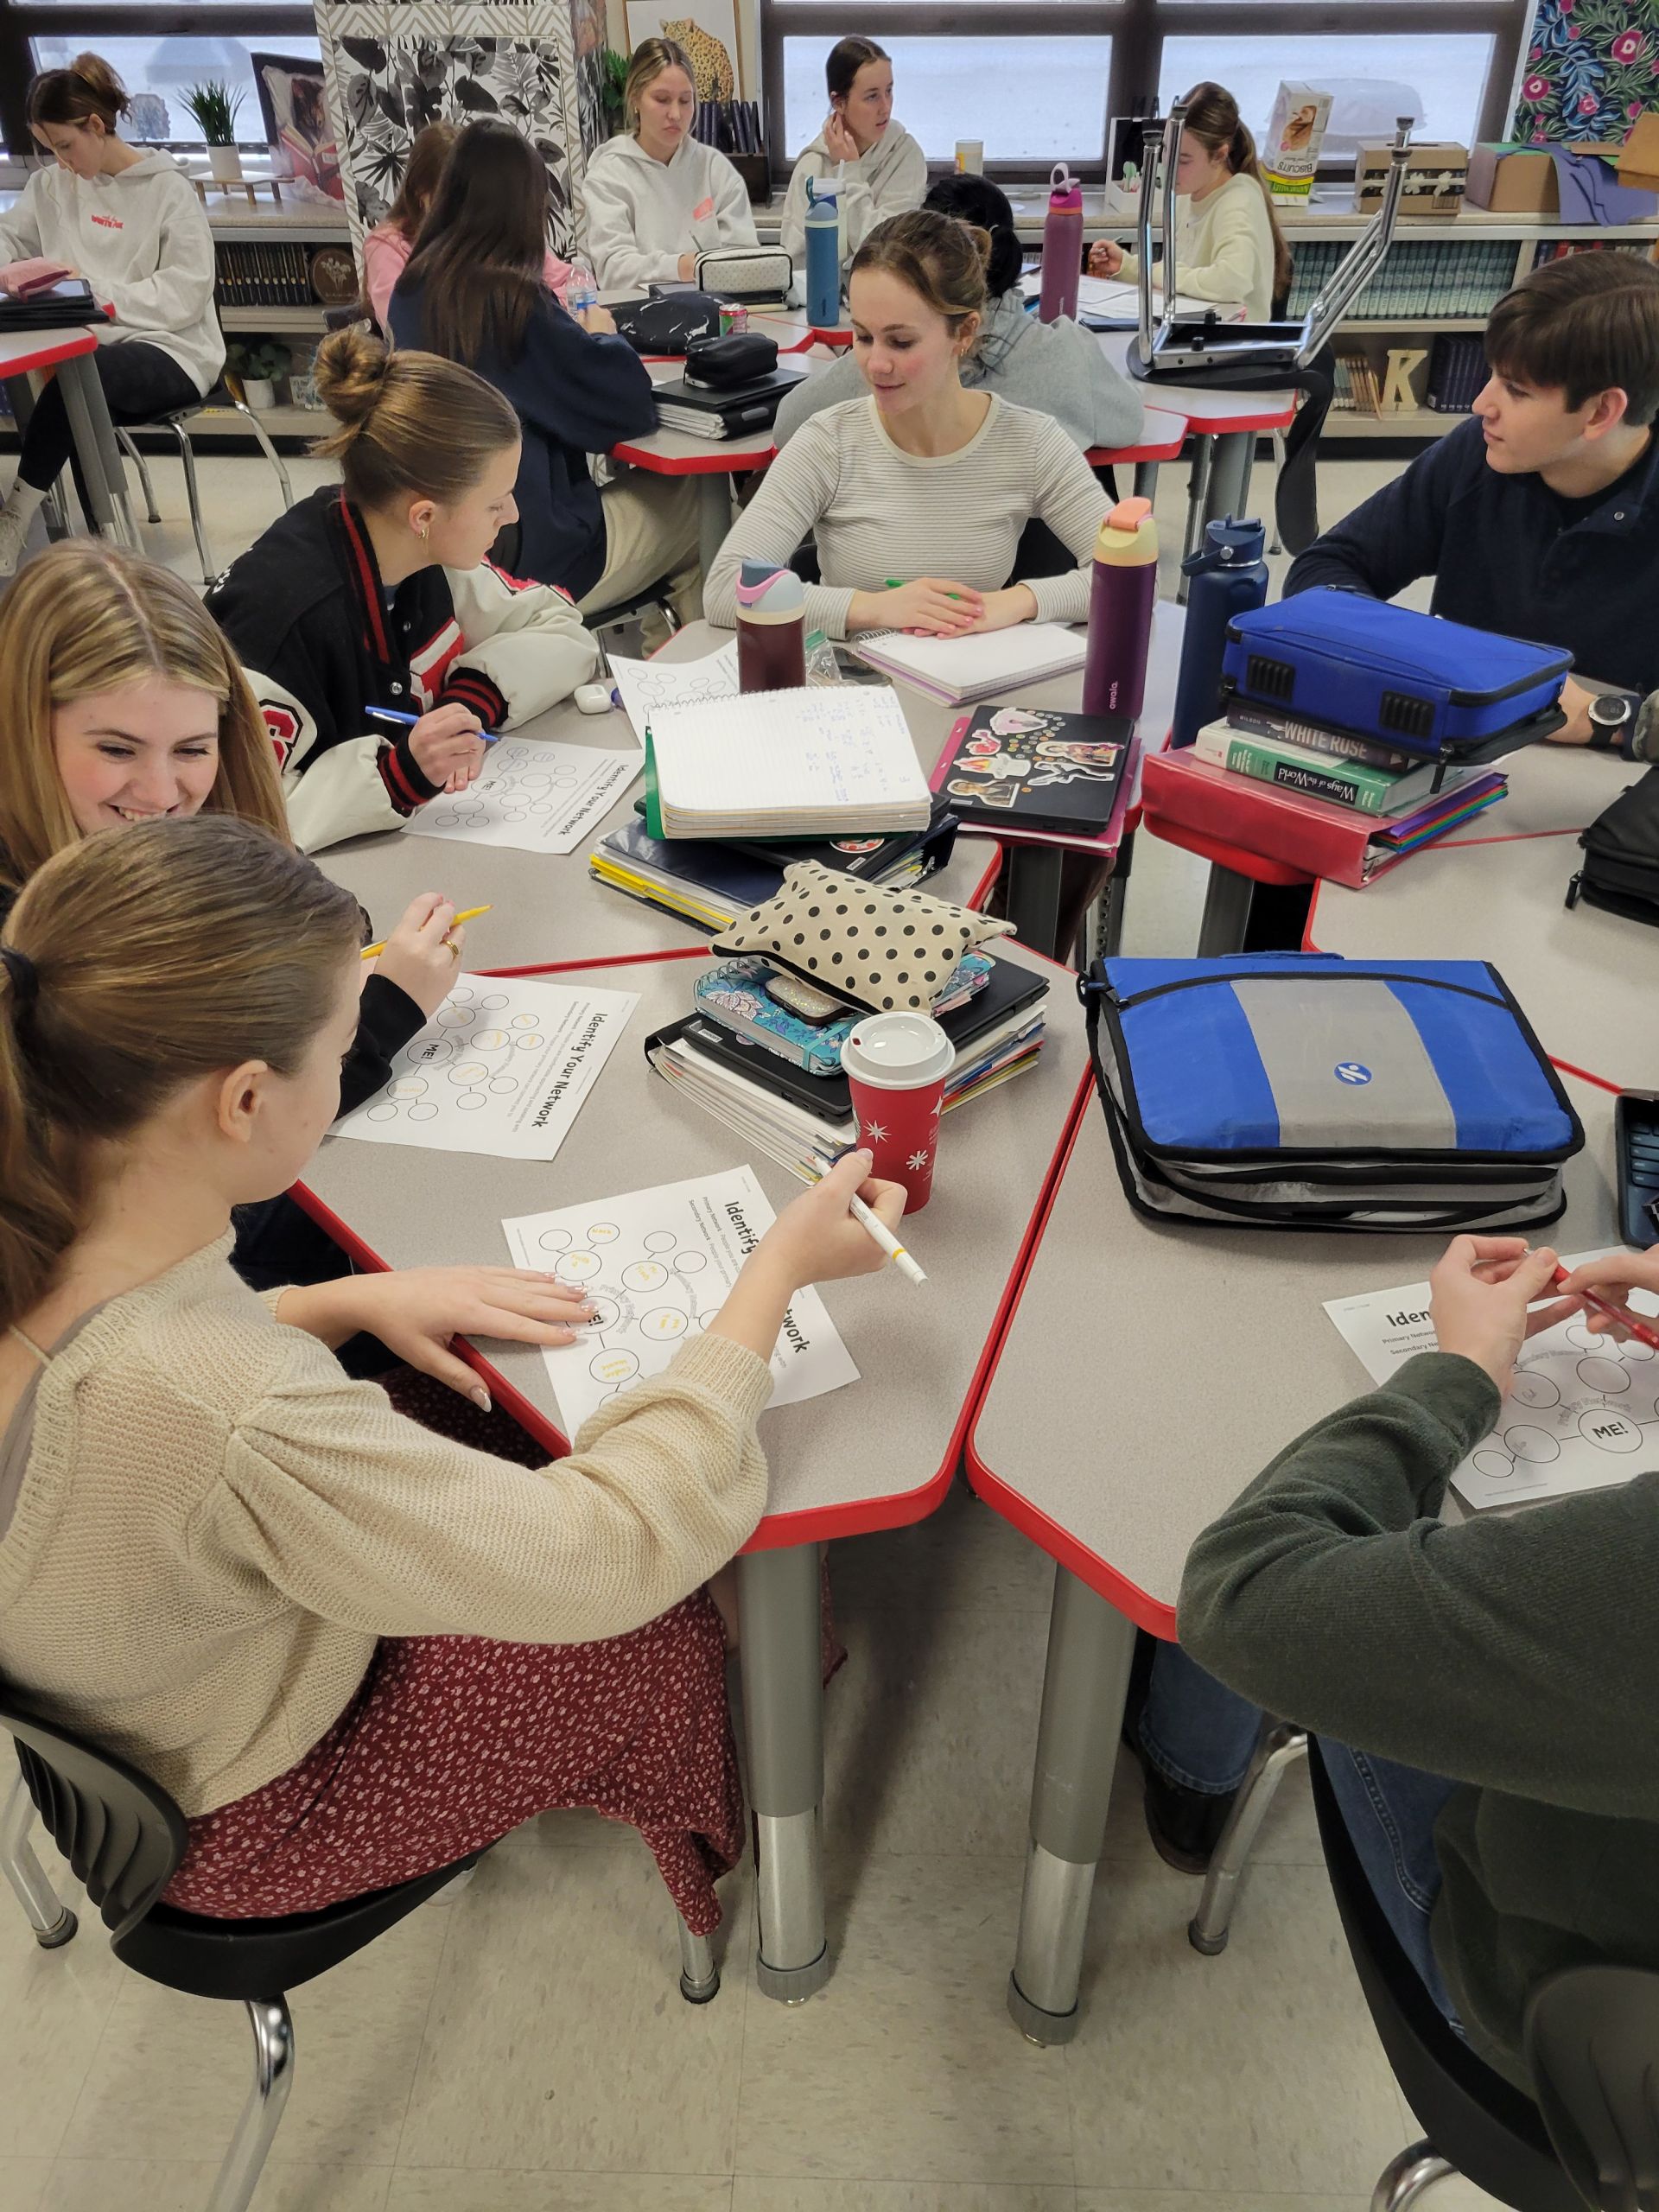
(101, 79)
(351, 367)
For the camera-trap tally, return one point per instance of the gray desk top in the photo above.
(876, 1454)
(1552, 787)
(1586, 980)
(1203, 1351)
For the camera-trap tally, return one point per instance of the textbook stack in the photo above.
(264, 275)
(1436, 277)
(1457, 371)
(1355, 389)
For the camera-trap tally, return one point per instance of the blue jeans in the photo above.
(1199, 1733)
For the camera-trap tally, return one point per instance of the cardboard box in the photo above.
(1513, 180)
(1289, 152)
(1436, 175)
(1638, 164)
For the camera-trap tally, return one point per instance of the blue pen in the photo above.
(408, 722)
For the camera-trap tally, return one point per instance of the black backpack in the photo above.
(1620, 869)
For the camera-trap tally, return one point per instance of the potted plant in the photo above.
(215, 109)
(613, 75)
(259, 369)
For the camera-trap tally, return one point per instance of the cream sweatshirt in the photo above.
(216, 1526)
(643, 214)
(141, 240)
(889, 178)
(1224, 248)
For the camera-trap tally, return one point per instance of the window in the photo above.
(1040, 83)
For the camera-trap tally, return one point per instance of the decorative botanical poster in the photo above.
(1592, 67)
(392, 69)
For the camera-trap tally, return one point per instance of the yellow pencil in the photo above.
(467, 914)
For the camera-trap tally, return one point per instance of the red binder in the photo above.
(1303, 832)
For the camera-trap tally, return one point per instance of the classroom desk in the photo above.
(878, 1455)
(69, 354)
(547, 907)
(1114, 1458)
(1585, 980)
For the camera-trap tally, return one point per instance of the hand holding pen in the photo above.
(446, 743)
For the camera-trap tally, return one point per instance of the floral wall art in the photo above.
(1592, 67)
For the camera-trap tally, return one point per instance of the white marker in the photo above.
(879, 1233)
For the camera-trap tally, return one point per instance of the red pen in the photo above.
(1643, 1333)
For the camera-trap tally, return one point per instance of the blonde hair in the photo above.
(87, 87)
(412, 425)
(942, 260)
(89, 617)
(650, 57)
(134, 963)
(1212, 118)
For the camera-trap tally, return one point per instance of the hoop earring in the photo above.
(426, 528)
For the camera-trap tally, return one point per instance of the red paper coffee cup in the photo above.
(896, 1065)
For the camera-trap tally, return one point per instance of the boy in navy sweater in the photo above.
(1539, 516)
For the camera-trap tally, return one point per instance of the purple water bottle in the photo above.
(1121, 600)
(1062, 246)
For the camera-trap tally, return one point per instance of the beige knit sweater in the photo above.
(216, 1525)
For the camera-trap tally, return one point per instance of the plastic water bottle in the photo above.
(1121, 600)
(771, 628)
(1228, 576)
(1062, 246)
(580, 291)
(822, 258)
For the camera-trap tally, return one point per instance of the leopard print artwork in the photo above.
(712, 73)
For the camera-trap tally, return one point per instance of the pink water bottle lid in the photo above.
(1065, 191)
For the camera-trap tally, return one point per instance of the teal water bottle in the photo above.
(822, 258)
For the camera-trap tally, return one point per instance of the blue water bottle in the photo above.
(1227, 575)
(822, 258)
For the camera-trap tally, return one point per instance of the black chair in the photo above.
(123, 1837)
(1591, 2042)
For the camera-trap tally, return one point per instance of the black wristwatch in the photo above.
(1612, 718)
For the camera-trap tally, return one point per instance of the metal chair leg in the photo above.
(699, 1975)
(57, 512)
(1278, 1744)
(152, 512)
(52, 1922)
(188, 463)
(1403, 2180)
(267, 448)
(1278, 463)
(273, 2077)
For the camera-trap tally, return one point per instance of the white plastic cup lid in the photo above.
(898, 1052)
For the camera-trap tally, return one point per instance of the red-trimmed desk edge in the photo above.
(64, 345)
(777, 1531)
(695, 464)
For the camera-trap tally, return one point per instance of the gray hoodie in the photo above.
(888, 179)
(1056, 368)
(141, 240)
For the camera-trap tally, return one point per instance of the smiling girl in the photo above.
(132, 226)
(874, 167)
(921, 472)
(378, 592)
(657, 197)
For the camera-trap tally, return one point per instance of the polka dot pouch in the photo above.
(879, 948)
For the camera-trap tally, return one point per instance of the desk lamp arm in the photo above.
(1364, 258)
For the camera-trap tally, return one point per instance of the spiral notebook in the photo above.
(957, 669)
(811, 763)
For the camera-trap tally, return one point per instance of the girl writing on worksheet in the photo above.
(872, 164)
(1228, 242)
(475, 292)
(378, 592)
(353, 1649)
(657, 197)
(922, 480)
(131, 225)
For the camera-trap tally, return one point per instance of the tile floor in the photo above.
(523, 2048)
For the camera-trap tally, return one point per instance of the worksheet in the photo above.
(541, 797)
(658, 1265)
(1582, 1414)
(502, 1067)
(646, 685)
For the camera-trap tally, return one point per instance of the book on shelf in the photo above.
(1345, 781)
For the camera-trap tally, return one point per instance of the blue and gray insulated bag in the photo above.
(1301, 1090)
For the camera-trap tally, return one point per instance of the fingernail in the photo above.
(480, 1398)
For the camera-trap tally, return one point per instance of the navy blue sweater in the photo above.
(574, 394)
(1505, 556)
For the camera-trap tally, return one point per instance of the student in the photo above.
(919, 475)
(377, 593)
(353, 1650)
(129, 223)
(1228, 242)
(474, 293)
(657, 197)
(1496, 1679)
(1058, 368)
(1539, 517)
(873, 164)
(387, 247)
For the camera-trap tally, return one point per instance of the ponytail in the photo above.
(134, 963)
(87, 87)
(1213, 120)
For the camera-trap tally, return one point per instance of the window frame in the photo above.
(22, 20)
(1137, 29)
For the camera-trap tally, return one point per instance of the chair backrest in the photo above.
(123, 1836)
(1592, 2040)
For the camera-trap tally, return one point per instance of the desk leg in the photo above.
(713, 517)
(1198, 492)
(83, 400)
(1034, 884)
(1146, 481)
(1229, 475)
(783, 1717)
(1104, 924)
(1087, 1678)
(1226, 913)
